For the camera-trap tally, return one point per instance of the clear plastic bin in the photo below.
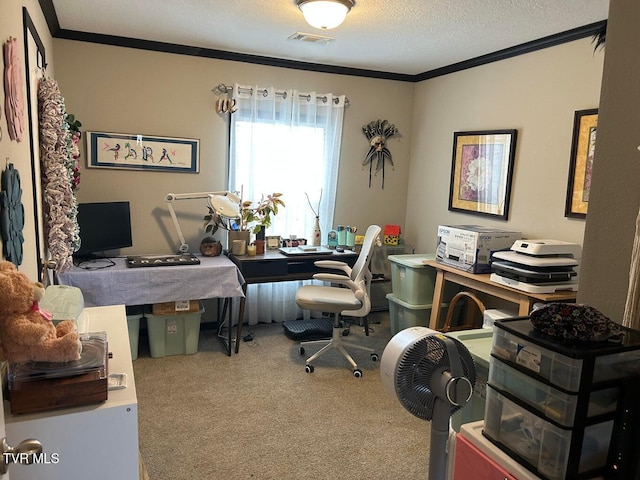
(543, 445)
(550, 402)
(559, 369)
(176, 334)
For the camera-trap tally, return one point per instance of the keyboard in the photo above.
(135, 261)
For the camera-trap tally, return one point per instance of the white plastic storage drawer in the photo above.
(559, 369)
(541, 444)
(550, 402)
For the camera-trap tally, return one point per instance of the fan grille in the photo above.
(416, 369)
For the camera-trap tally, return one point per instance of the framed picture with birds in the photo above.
(142, 152)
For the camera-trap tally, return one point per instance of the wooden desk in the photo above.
(273, 266)
(482, 283)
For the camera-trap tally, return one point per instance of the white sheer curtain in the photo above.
(288, 142)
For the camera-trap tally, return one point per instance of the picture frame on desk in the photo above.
(272, 242)
(142, 152)
(583, 145)
(481, 172)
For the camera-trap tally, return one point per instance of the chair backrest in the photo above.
(360, 273)
(361, 266)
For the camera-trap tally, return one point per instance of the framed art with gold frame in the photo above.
(273, 242)
(583, 147)
(481, 172)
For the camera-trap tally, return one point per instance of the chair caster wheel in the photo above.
(374, 357)
(357, 372)
(345, 332)
(301, 350)
(308, 368)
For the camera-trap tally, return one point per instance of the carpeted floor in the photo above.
(258, 415)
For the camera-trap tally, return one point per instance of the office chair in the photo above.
(353, 300)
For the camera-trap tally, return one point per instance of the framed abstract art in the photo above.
(481, 172)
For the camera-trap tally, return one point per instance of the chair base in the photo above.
(339, 344)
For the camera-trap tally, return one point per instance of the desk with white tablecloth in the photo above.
(214, 277)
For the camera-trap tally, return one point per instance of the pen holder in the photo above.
(351, 239)
(342, 236)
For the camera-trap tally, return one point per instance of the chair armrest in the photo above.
(341, 280)
(336, 278)
(336, 265)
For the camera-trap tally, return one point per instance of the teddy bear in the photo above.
(27, 332)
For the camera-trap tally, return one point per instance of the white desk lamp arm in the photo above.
(171, 197)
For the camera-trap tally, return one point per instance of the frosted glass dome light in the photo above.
(325, 14)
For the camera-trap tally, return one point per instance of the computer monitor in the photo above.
(103, 226)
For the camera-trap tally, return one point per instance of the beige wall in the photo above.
(18, 153)
(125, 90)
(615, 196)
(537, 94)
(134, 91)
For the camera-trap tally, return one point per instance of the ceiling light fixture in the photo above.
(324, 14)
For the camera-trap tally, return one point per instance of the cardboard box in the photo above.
(469, 247)
(173, 308)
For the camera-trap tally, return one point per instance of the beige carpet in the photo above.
(258, 415)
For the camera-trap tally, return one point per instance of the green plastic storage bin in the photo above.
(175, 334)
(404, 315)
(133, 323)
(478, 342)
(413, 282)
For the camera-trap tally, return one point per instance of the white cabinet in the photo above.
(97, 441)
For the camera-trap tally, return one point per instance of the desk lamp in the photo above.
(224, 203)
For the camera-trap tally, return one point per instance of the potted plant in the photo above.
(253, 218)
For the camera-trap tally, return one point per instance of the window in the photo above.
(285, 142)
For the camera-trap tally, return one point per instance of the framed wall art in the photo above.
(481, 172)
(583, 147)
(142, 152)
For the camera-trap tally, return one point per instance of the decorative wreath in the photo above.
(56, 155)
(11, 215)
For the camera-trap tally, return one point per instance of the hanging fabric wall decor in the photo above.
(378, 132)
(13, 99)
(58, 165)
(11, 215)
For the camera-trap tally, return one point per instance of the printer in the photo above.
(538, 266)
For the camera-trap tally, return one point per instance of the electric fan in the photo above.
(432, 376)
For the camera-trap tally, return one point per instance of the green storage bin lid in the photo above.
(413, 260)
(478, 341)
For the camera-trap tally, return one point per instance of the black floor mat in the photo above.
(314, 329)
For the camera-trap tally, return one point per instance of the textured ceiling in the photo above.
(398, 36)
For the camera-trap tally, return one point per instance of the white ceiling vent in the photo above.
(311, 38)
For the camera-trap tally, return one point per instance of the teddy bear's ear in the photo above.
(6, 285)
(7, 266)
